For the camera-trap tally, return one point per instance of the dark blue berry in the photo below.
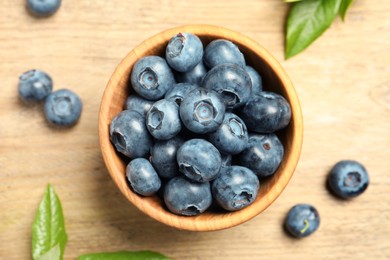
(179, 91)
(231, 81)
(63, 107)
(348, 179)
(34, 85)
(202, 111)
(235, 188)
(231, 137)
(257, 81)
(266, 112)
(194, 76)
(302, 220)
(163, 120)
(184, 52)
(164, 157)
(43, 7)
(185, 197)
(139, 104)
(142, 177)
(263, 154)
(129, 135)
(226, 159)
(151, 77)
(199, 160)
(222, 51)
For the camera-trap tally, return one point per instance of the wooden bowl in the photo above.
(274, 78)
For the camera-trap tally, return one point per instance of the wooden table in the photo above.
(343, 82)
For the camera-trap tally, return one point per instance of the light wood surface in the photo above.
(343, 82)
(274, 79)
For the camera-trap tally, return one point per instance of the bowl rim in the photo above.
(202, 222)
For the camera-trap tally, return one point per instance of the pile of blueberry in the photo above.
(62, 107)
(202, 118)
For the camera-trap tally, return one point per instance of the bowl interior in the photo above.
(274, 78)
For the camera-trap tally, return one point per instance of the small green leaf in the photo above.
(307, 20)
(48, 230)
(345, 4)
(125, 255)
(291, 1)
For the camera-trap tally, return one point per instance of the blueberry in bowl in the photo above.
(202, 109)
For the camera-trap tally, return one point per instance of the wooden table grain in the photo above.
(343, 82)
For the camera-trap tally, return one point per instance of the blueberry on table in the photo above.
(302, 220)
(63, 107)
(185, 197)
(199, 160)
(194, 76)
(139, 104)
(266, 112)
(231, 81)
(231, 137)
(129, 135)
(348, 179)
(163, 157)
(202, 111)
(235, 188)
(257, 81)
(43, 7)
(263, 154)
(184, 52)
(151, 77)
(34, 85)
(179, 91)
(142, 177)
(222, 51)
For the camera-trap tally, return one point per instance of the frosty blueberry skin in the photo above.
(43, 7)
(129, 135)
(139, 104)
(302, 220)
(185, 197)
(222, 51)
(34, 85)
(348, 179)
(194, 76)
(202, 111)
(63, 108)
(179, 91)
(256, 79)
(151, 77)
(231, 81)
(184, 52)
(142, 177)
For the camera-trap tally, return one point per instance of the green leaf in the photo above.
(345, 4)
(307, 20)
(48, 230)
(125, 255)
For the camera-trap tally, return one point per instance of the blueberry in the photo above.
(231, 81)
(348, 179)
(151, 77)
(222, 51)
(185, 197)
(266, 112)
(129, 135)
(226, 159)
(202, 111)
(257, 81)
(164, 157)
(63, 107)
(184, 52)
(194, 76)
(302, 220)
(163, 120)
(235, 188)
(231, 136)
(34, 85)
(43, 7)
(179, 91)
(139, 104)
(199, 160)
(142, 177)
(263, 154)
